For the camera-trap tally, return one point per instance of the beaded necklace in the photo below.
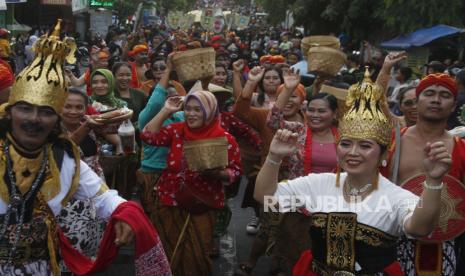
(17, 200)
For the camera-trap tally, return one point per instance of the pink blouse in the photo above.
(323, 157)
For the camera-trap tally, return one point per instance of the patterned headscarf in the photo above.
(208, 104)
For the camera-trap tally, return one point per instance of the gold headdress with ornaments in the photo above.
(43, 81)
(365, 118)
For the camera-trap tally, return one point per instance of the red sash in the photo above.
(150, 258)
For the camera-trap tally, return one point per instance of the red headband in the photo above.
(437, 79)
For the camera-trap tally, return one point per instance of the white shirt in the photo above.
(386, 208)
(89, 185)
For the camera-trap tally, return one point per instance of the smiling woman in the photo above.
(134, 98)
(187, 196)
(365, 133)
(103, 86)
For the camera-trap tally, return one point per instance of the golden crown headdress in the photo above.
(43, 81)
(365, 118)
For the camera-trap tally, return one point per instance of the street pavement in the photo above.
(235, 246)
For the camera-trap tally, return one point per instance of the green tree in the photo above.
(405, 16)
(124, 9)
(366, 19)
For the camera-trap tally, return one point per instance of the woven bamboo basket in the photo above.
(195, 64)
(325, 61)
(319, 40)
(206, 154)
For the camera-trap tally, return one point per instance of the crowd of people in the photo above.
(391, 138)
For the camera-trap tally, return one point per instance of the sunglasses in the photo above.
(159, 67)
(409, 103)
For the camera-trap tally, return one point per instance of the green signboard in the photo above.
(101, 3)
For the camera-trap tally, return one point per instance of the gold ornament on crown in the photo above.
(365, 118)
(43, 81)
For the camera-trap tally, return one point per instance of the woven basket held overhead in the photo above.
(325, 61)
(195, 64)
(206, 154)
(319, 40)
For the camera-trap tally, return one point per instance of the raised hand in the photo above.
(173, 104)
(291, 79)
(438, 160)
(284, 143)
(256, 74)
(169, 62)
(205, 82)
(392, 58)
(238, 65)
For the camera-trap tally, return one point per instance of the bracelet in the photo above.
(434, 187)
(272, 162)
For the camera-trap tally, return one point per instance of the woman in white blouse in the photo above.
(357, 215)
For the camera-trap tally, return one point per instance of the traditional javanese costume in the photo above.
(356, 237)
(34, 187)
(187, 201)
(437, 254)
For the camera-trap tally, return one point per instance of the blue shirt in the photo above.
(155, 157)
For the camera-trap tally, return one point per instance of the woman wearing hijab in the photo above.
(104, 99)
(103, 87)
(188, 200)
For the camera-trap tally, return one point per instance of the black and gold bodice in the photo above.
(340, 243)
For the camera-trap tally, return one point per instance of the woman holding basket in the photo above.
(187, 197)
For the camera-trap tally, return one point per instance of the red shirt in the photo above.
(176, 172)
(239, 129)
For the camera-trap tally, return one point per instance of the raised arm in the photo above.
(291, 81)
(76, 82)
(172, 105)
(283, 144)
(243, 110)
(158, 97)
(237, 66)
(164, 81)
(385, 73)
(437, 163)
(255, 75)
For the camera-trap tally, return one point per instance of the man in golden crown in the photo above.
(41, 171)
(357, 215)
(436, 99)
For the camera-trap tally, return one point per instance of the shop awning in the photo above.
(18, 27)
(421, 37)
